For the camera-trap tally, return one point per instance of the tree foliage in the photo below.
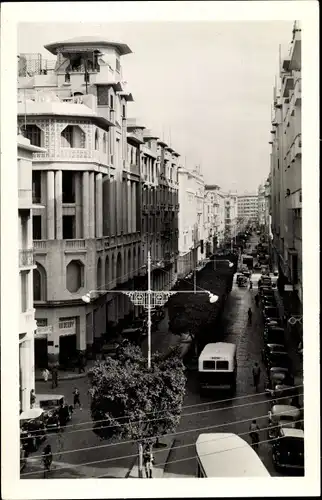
(131, 402)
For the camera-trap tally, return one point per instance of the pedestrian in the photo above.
(256, 375)
(32, 398)
(257, 300)
(250, 315)
(250, 284)
(148, 460)
(254, 434)
(47, 459)
(77, 398)
(45, 374)
(54, 377)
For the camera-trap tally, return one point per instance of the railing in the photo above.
(40, 244)
(72, 154)
(75, 244)
(26, 257)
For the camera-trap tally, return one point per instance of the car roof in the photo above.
(218, 348)
(289, 432)
(285, 409)
(31, 413)
(48, 397)
(228, 455)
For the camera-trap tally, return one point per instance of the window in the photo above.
(118, 65)
(222, 365)
(68, 186)
(74, 276)
(68, 227)
(36, 186)
(97, 146)
(24, 291)
(33, 133)
(123, 111)
(209, 365)
(104, 143)
(72, 137)
(36, 227)
(39, 283)
(111, 102)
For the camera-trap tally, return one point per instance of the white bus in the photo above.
(217, 366)
(227, 455)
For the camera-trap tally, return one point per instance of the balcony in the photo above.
(296, 149)
(295, 51)
(135, 169)
(296, 96)
(74, 154)
(26, 258)
(287, 85)
(135, 133)
(75, 245)
(25, 198)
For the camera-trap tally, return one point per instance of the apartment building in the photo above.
(216, 200)
(191, 224)
(286, 155)
(231, 215)
(247, 206)
(86, 191)
(27, 323)
(261, 205)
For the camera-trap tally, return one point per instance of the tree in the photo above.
(129, 401)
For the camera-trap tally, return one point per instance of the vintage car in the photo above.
(270, 312)
(287, 395)
(277, 375)
(288, 450)
(283, 416)
(269, 349)
(241, 280)
(51, 404)
(268, 301)
(265, 291)
(279, 360)
(273, 334)
(32, 429)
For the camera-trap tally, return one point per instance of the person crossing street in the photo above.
(256, 376)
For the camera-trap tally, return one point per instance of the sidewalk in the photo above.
(161, 456)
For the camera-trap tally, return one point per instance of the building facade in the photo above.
(261, 206)
(27, 322)
(247, 206)
(231, 215)
(216, 202)
(191, 223)
(286, 154)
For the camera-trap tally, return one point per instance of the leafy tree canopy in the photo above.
(131, 402)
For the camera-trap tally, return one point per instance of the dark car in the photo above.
(52, 405)
(274, 335)
(271, 348)
(278, 359)
(32, 429)
(266, 291)
(268, 301)
(270, 312)
(288, 450)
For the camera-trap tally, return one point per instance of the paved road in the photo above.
(226, 416)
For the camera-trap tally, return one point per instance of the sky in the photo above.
(204, 87)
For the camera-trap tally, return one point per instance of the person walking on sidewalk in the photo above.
(45, 374)
(257, 300)
(54, 377)
(250, 284)
(32, 398)
(77, 398)
(148, 460)
(254, 434)
(256, 375)
(250, 315)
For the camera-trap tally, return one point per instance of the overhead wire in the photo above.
(154, 437)
(183, 408)
(74, 466)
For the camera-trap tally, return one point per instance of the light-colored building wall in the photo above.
(27, 323)
(231, 215)
(286, 155)
(247, 206)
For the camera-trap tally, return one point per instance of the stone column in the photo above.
(124, 207)
(59, 204)
(50, 205)
(81, 331)
(78, 206)
(129, 206)
(85, 205)
(91, 205)
(99, 206)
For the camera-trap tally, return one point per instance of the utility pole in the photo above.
(195, 271)
(149, 309)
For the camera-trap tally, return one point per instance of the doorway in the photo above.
(67, 349)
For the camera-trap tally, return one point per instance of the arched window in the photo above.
(113, 269)
(97, 146)
(74, 276)
(99, 273)
(104, 143)
(107, 272)
(39, 283)
(129, 265)
(119, 268)
(72, 137)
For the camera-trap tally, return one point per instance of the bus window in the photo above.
(222, 365)
(209, 365)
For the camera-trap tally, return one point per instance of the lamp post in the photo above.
(148, 299)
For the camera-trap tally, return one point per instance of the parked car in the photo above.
(268, 301)
(288, 450)
(278, 359)
(271, 348)
(51, 403)
(265, 291)
(270, 313)
(282, 416)
(32, 429)
(277, 376)
(287, 394)
(274, 335)
(134, 335)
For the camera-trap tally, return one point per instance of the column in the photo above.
(31, 351)
(85, 205)
(99, 206)
(129, 206)
(124, 207)
(91, 205)
(133, 207)
(50, 205)
(59, 204)
(24, 370)
(78, 206)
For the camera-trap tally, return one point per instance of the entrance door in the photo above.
(67, 349)
(41, 353)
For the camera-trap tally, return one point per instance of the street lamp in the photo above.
(148, 299)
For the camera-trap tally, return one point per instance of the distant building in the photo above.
(261, 205)
(247, 206)
(231, 215)
(216, 204)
